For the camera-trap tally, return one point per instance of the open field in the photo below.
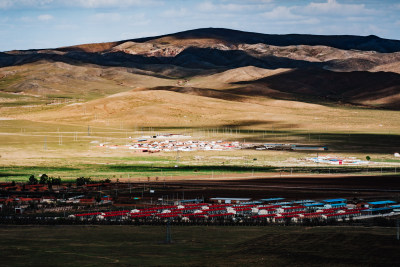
(58, 105)
(197, 245)
(71, 151)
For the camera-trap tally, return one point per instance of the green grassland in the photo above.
(71, 151)
(54, 115)
(198, 246)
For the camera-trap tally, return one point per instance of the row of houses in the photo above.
(144, 145)
(24, 187)
(21, 203)
(272, 210)
(338, 160)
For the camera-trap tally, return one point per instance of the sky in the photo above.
(31, 24)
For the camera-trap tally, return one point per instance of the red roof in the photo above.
(87, 200)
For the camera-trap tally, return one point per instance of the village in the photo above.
(180, 142)
(155, 203)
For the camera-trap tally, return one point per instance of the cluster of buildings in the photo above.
(50, 203)
(293, 147)
(338, 160)
(176, 142)
(24, 187)
(273, 210)
(179, 142)
(145, 145)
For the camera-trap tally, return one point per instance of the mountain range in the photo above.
(208, 76)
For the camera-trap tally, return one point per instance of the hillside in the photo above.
(204, 77)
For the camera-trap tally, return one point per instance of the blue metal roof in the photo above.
(304, 201)
(334, 200)
(395, 206)
(272, 199)
(284, 203)
(383, 202)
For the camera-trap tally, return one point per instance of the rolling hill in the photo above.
(206, 77)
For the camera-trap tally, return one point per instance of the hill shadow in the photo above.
(201, 92)
(345, 42)
(193, 58)
(311, 85)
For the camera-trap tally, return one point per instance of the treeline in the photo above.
(44, 179)
(87, 180)
(50, 181)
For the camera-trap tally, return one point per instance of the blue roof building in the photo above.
(274, 199)
(383, 202)
(335, 200)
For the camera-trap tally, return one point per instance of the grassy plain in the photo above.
(53, 116)
(198, 246)
(71, 151)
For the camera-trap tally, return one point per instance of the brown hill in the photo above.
(203, 77)
(234, 37)
(378, 89)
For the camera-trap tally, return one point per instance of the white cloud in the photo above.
(234, 7)
(335, 8)
(24, 3)
(281, 13)
(135, 19)
(308, 21)
(174, 13)
(45, 17)
(111, 3)
(209, 6)
(6, 3)
(77, 3)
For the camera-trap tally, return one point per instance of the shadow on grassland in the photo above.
(337, 142)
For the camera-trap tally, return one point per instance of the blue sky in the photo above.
(26, 24)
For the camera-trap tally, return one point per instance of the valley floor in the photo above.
(198, 245)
